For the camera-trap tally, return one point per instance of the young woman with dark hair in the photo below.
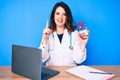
(61, 44)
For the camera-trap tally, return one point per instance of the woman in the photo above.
(61, 44)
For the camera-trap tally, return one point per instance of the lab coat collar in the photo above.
(65, 36)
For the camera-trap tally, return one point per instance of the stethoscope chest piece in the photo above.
(71, 47)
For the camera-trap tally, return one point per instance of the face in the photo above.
(60, 17)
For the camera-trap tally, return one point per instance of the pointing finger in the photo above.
(47, 24)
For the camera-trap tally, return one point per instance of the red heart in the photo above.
(80, 25)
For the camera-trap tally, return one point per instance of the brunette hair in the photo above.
(69, 20)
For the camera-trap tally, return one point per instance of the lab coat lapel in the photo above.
(57, 42)
(65, 39)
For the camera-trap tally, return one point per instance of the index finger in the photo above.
(46, 24)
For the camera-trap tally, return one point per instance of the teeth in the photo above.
(60, 21)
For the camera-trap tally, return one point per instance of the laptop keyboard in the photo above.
(48, 73)
(45, 76)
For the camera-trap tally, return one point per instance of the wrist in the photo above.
(82, 47)
(44, 41)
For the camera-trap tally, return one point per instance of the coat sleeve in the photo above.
(78, 55)
(45, 51)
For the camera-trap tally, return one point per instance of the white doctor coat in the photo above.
(59, 54)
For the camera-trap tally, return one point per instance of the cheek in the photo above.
(55, 19)
(64, 19)
(56, 16)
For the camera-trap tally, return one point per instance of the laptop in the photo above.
(26, 61)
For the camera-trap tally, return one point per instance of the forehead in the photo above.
(60, 9)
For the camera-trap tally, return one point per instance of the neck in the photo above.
(60, 30)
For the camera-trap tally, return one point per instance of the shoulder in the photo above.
(75, 32)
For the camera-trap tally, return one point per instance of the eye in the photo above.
(64, 14)
(57, 13)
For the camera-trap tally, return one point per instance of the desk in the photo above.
(6, 74)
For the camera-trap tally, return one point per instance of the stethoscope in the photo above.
(70, 46)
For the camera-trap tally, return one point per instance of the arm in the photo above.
(79, 52)
(44, 45)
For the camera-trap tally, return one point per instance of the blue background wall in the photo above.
(22, 22)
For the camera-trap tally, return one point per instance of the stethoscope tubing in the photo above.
(70, 46)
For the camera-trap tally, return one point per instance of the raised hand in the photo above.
(47, 31)
(83, 37)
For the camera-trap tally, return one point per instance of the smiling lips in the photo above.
(60, 21)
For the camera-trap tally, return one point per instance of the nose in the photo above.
(61, 16)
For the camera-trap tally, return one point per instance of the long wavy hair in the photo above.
(69, 19)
